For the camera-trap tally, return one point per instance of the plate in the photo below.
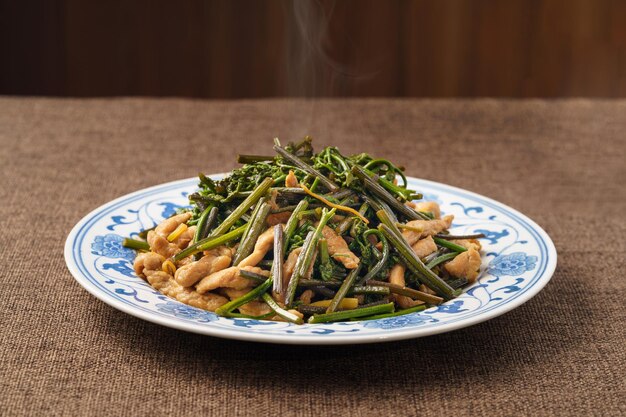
(518, 260)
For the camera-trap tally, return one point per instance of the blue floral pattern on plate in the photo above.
(514, 264)
(518, 259)
(110, 246)
(186, 312)
(399, 322)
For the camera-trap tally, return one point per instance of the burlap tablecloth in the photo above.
(63, 352)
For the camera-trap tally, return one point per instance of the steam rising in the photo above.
(311, 72)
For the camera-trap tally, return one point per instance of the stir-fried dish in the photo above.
(300, 235)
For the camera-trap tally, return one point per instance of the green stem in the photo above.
(447, 244)
(388, 221)
(331, 186)
(277, 265)
(384, 195)
(252, 275)
(408, 292)
(255, 228)
(346, 223)
(350, 314)
(343, 290)
(206, 221)
(441, 259)
(382, 262)
(243, 207)
(287, 315)
(135, 244)
(318, 283)
(397, 313)
(306, 256)
(209, 243)
(377, 204)
(144, 233)
(390, 166)
(369, 289)
(292, 223)
(246, 298)
(430, 279)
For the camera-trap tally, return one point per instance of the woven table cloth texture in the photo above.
(64, 353)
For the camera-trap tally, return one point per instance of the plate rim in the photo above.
(294, 339)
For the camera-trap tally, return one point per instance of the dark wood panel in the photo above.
(239, 48)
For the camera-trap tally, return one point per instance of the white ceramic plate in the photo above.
(518, 260)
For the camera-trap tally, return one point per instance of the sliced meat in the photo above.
(185, 237)
(277, 218)
(233, 293)
(228, 278)
(468, 243)
(161, 245)
(167, 226)
(339, 250)
(290, 264)
(465, 265)
(166, 284)
(263, 244)
(213, 261)
(157, 238)
(428, 207)
(427, 228)
(291, 180)
(306, 296)
(424, 288)
(255, 308)
(396, 276)
(424, 247)
(148, 261)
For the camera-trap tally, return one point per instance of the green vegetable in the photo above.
(379, 191)
(331, 186)
(452, 246)
(205, 223)
(397, 313)
(441, 259)
(252, 275)
(209, 243)
(369, 289)
(318, 283)
(382, 262)
(243, 207)
(244, 299)
(416, 266)
(135, 244)
(343, 290)
(292, 223)
(326, 266)
(235, 210)
(306, 256)
(408, 292)
(350, 314)
(255, 228)
(277, 265)
(144, 233)
(287, 315)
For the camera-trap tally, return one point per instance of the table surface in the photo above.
(63, 352)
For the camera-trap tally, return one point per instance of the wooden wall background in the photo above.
(257, 48)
